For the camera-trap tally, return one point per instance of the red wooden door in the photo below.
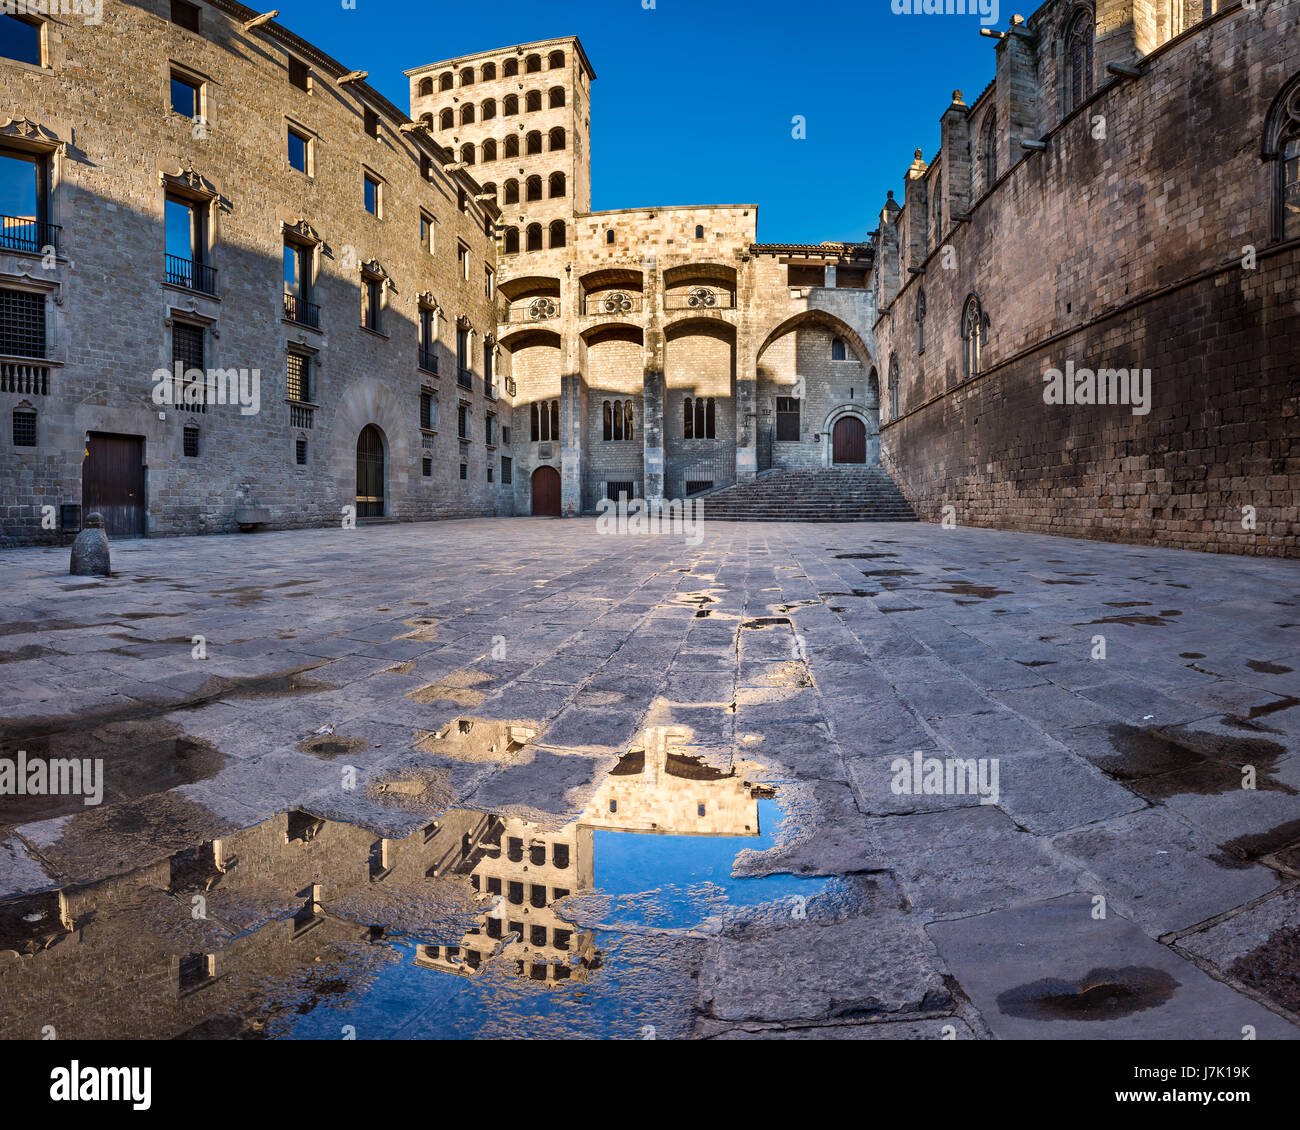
(850, 440)
(546, 492)
(112, 483)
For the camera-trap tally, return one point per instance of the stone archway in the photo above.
(848, 418)
(372, 477)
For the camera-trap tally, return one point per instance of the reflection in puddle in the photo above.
(478, 924)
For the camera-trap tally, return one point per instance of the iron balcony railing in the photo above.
(301, 311)
(191, 275)
(702, 298)
(465, 378)
(613, 304)
(23, 233)
(428, 360)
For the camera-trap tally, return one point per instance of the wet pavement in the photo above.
(512, 778)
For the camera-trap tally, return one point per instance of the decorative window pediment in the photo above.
(304, 231)
(26, 134)
(187, 181)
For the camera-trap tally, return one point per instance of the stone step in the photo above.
(831, 494)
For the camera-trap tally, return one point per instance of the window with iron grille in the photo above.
(787, 418)
(187, 351)
(299, 74)
(24, 427)
(428, 467)
(490, 470)
(490, 430)
(462, 421)
(507, 469)
(615, 491)
(505, 436)
(426, 411)
(191, 437)
(300, 452)
(298, 378)
(22, 323)
(464, 470)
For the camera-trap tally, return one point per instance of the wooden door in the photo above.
(112, 483)
(546, 492)
(849, 440)
(370, 473)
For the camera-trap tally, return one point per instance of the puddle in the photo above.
(861, 556)
(327, 747)
(966, 588)
(461, 688)
(1279, 846)
(1101, 994)
(1273, 707)
(476, 925)
(1163, 762)
(1270, 969)
(1036, 662)
(761, 622)
(471, 739)
(1191, 655)
(1266, 668)
(1156, 621)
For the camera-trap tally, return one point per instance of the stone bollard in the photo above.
(90, 550)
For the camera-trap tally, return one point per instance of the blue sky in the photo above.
(694, 99)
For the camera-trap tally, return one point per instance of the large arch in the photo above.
(826, 320)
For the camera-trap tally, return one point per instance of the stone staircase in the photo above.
(824, 494)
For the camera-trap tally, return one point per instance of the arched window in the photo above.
(533, 188)
(534, 145)
(557, 60)
(533, 64)
(937, 210)
(989, 151)
(489, 150)
(1282, 151)
(609, 422)
(467, 153)
(512, 145)
(556, 97)
(467, 114)
(535, 420)
(447, 119)
(445, 81)
(699, 418)
(467, 77)
(534, 237)
(973, 325)
(555, 419)
(558, 233)
(699, 231)
(839, 351)
(426, 120)
(533, 101)
(558, 184)
(510, 106)
(609, 236)
(490, 188)
(920, 321)
(894, 380)
(426, 87)
(558, 139)
(489, 72)
(510, 67)
(512, 241)
(512, 192)
(489, 110)
(1078, 59)
(873, 388)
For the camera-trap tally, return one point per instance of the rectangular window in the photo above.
(462, 421)
(188, 353)
(372, 304)
(185, 14)
(489, 377)
(372, 123)
(428, 227)
(464, 374)
(187, 96)
(787, 418)
(490, 469)
(427, 467)
(191, 443)
(24, 427)
(426, 166)
(507, 469)
(22, 324)
(490, 430)
(297, 273)
(299, 151)
(299, 74)
(462, 260)
(184, 229)
(20, 40)
(373, 195)
(23, 201)
(464, 471)
(298, 378)
(427, 416)
(300, 452)
(489, 282)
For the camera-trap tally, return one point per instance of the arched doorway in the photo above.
(546, 493)
(849, 441)
(370, 473)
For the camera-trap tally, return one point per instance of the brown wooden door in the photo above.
(849, 440)
(112, 483)
(546, 492)
(370, 473)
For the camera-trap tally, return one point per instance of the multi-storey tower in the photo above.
(520, 117)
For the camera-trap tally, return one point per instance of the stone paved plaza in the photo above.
(1124, 884)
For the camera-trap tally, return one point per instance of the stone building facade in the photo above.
(244, 202)
(1124, 195)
